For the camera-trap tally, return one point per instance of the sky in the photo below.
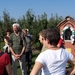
(18, 8)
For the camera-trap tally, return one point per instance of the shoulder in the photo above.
(6, 55)
(30, 37)
(11, 34)
(42, 55)
(6, 58)
(21, 33)
(42, 58)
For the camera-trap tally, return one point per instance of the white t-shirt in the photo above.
(54, 61)
(6, 47)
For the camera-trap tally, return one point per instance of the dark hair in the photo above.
(8, 30)
(5, 37)
(53, 36)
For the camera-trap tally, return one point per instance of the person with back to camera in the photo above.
(53, 60)
(5, 63)
(17, 48)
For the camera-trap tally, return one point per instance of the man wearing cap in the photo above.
(17, 48)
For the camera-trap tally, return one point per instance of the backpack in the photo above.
(5, 72)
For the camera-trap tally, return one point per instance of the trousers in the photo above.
(22, 65)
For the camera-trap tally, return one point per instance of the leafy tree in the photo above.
(30, 21)
(54, 20)
(6, 19)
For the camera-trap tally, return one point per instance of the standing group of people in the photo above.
(18, 44)
(51, 61)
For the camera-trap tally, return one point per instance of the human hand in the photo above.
(17, 56)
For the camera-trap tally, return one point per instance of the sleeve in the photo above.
(24, 40)
(70, 55)
(10, 40)
(60, 42)
(40, 58)
(7, 59)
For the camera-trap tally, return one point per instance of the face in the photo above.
(25, 32)
(8, 33)
(41, 39)
(15, 29)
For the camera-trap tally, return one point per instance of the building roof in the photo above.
(67, 18)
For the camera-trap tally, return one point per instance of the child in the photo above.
(6, 47)
(53, 60)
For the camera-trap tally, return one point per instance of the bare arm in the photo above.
(9, 70)
(24, 45)
(73, 68)
(23, 50)
(36, 68)
(58, 45)
(11, 50)
(6, 41)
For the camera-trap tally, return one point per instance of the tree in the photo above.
(6, 19)
(54, 20)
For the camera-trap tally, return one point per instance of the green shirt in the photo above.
(17, 42)
(28, 43)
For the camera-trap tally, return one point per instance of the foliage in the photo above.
(29, 20)
(1, 45)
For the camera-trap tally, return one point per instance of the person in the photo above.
(60, 43)
(6, 46)
(41, 38)
(28, 34)
(5, 63)
(41, 35)
(6, 40)
(17, 47)
(53, 60)
(28, 50)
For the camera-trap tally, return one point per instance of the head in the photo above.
(16, 27)
(52, 36)
(42, 35)
(8, 31)
(6, 39)
(25, 31)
